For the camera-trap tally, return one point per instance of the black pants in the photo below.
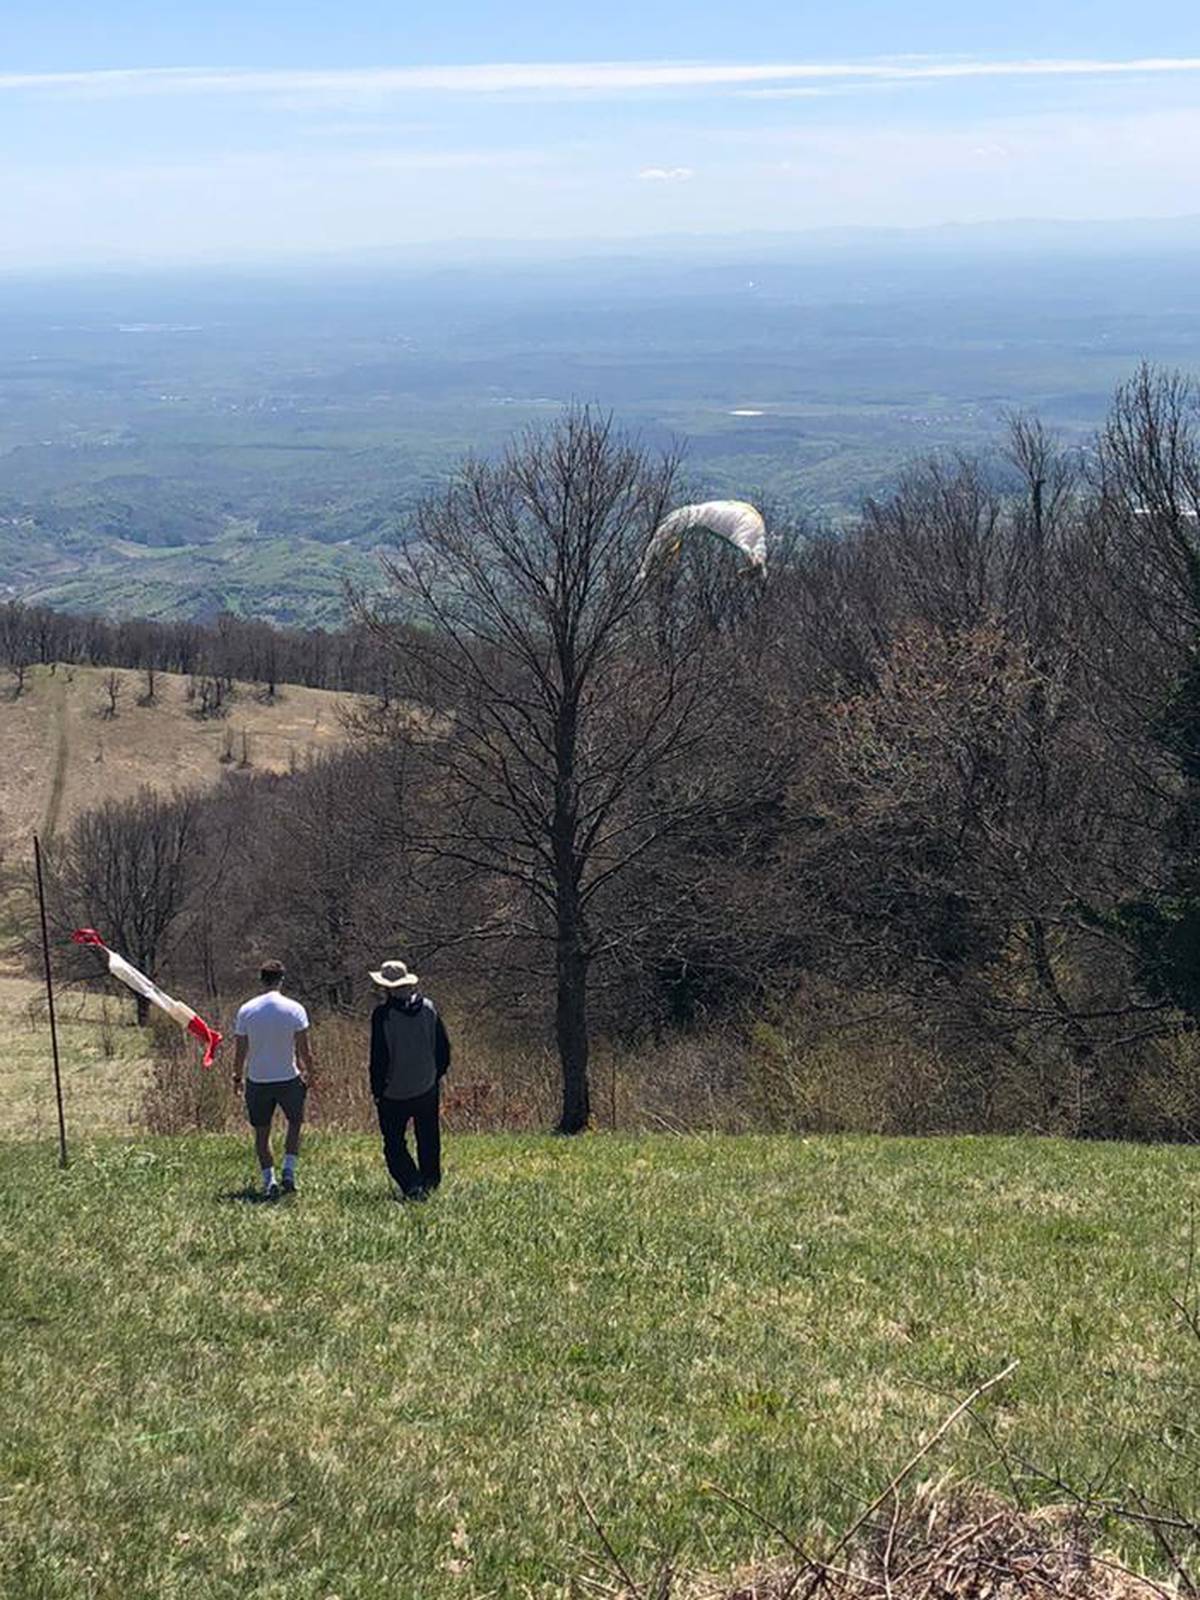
(394, 1117)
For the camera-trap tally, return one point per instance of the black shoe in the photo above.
(271, 1192)
(289, 1184)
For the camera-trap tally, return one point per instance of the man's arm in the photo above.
(304, 1051)
(441, 1049)
(239, 1060)
(380, 1060)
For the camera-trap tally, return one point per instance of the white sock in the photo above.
(289, 1166)
(268, 1177)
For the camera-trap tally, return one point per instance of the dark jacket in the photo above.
(410, 1049)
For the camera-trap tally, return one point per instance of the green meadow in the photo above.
(202, 1396)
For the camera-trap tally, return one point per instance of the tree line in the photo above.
(226, 649)
(938, 775)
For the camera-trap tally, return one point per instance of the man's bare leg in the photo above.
(291, 1151)
(262, 1145)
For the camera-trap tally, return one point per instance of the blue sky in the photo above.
(138, 132)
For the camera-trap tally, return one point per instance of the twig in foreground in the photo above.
(914, 1461)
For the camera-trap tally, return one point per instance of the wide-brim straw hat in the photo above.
(394, 975)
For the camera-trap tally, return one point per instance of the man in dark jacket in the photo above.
(410, 1055)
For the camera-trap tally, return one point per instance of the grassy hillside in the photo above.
(62, 755)
(285, 580)
(202, 1396)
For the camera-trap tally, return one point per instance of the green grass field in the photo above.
(339, 1396)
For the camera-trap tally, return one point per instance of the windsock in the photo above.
(141, 984)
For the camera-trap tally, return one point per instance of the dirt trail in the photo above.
(62, 757)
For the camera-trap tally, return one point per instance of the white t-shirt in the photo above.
(270, 1023)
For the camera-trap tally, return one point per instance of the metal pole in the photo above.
(62, 1126)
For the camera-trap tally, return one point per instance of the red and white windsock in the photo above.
(141, 984)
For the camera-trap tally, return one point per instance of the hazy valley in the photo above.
(175, 446)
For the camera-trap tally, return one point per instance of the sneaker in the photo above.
(289, 1184)
(271, 1192)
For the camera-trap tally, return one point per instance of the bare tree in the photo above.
(213, 691)
(112, 688)
(267, 664)
(1144, 529)
(568, 702)
(126, 868)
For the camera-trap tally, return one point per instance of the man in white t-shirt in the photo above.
(272, 1032)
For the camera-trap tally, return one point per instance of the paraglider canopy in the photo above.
(736, 522)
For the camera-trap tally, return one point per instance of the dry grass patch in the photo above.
(957, 1546)
(64, 756)
(104, 1060)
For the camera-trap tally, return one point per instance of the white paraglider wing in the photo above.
(735, 521)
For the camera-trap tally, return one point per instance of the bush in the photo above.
(180, 1096)
(495, 1083)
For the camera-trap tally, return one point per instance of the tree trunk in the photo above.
(572, 1031)
(571, 958)
(571, 968)
(1079, 1046)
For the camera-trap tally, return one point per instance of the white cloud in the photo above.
(603, 77)
(666, 174)
(908, 71)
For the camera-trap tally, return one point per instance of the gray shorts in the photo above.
(288, 1094)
